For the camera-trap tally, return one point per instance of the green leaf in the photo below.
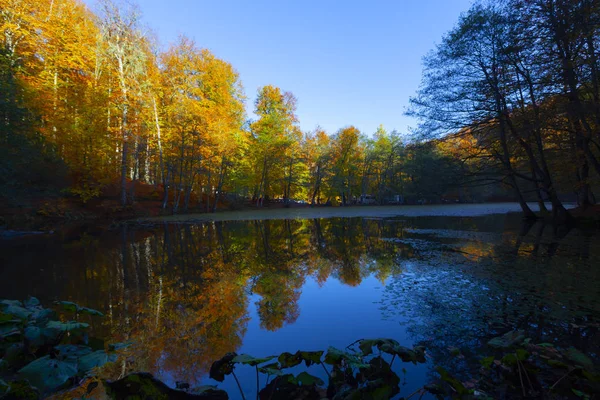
(17, 311)
(305, 379)
(452, 381)
(335, 357)
(94, 360)
(366, 345)
(67, 305)
(288, 360)
(220, 368)
(48, 374)
(32, 302)
(90, 311)
(10, 330)
(4, 388)
(487, 362)
(70, 326)
(310, 357)
(249, 360)
(507, 340)
(272, 369)
(71, 351)
(579, 358)
(34, 337)
(119, 346)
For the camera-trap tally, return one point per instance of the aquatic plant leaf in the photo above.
(487, 362)
(34, 336)
(10, 330)
(67, 305)
(247, 359)
(90, 311)
(288, 360)
(220, 368)
(145, 386)
(11, 303)
(48, 374)
(42, 316)
(4, 388)
(507, 340)
(366, 345)
(579, 358)
(335, 357)
(31, 302)
(70, 326)
(17, 311)
(119, 346)
(94, 360)
(310, 357)
(272, 369)
(452, 381)
(72, 351)
(305, 379)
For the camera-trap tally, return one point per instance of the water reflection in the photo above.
(185, 294)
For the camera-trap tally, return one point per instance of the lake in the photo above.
(185, 294)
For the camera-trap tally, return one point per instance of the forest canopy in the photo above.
(509, 108)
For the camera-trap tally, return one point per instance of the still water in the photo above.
(186, 294)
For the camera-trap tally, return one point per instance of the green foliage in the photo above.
(62, 347)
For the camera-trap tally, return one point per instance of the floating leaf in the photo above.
(48, 374)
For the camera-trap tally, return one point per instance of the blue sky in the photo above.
(348, 62)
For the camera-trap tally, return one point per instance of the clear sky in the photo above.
(348, 62)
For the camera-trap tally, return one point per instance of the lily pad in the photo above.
(48, 374)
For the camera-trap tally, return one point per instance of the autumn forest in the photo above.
(91, 103)
(166, 232)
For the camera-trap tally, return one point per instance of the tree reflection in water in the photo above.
(182, 293)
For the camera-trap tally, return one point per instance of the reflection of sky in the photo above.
(333, 314)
